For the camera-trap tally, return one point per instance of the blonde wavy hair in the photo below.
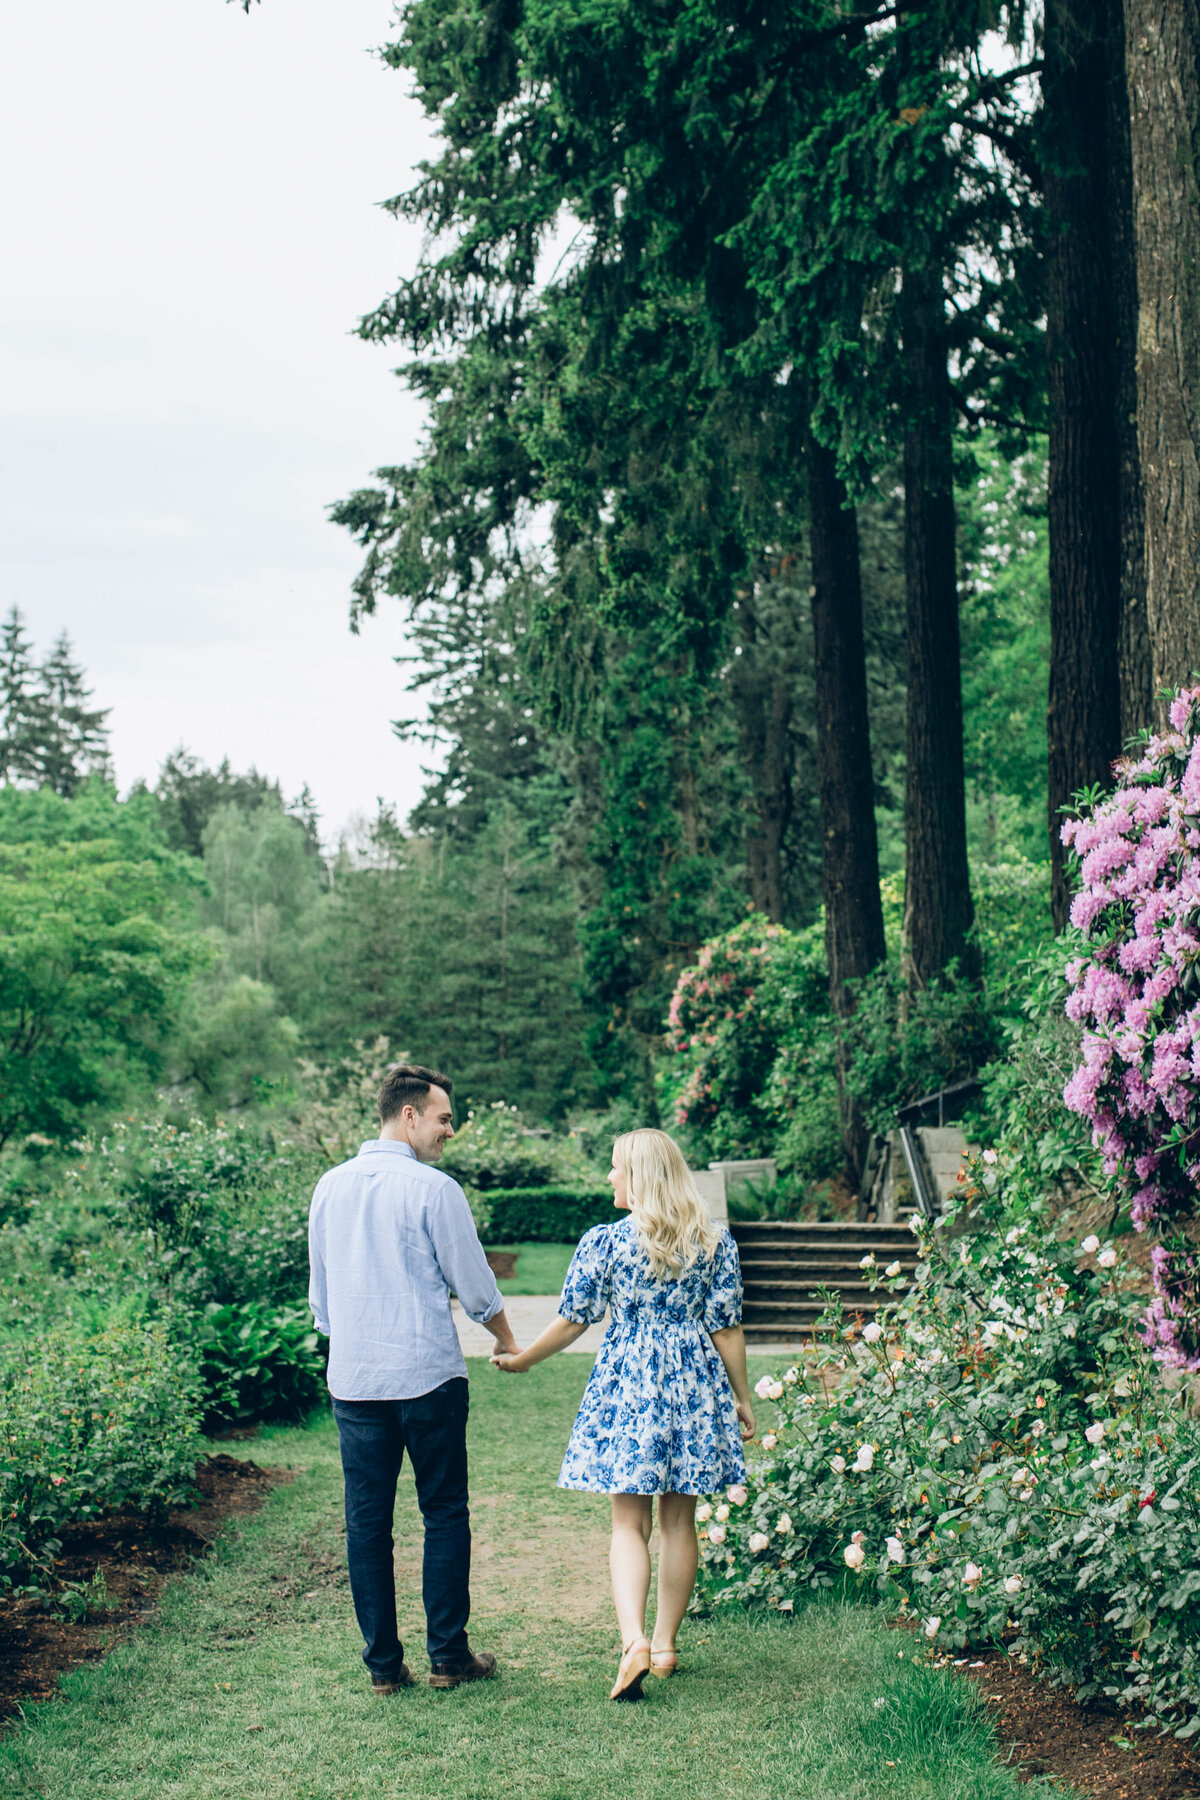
(673, 1224)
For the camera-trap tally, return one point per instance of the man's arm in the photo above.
(318, 1297)
(462, 1261)
(506, 1343)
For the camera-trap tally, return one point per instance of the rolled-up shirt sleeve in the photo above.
(318, 1297)
(460, 1255)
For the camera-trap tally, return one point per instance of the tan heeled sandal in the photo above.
(663, 1663)
(635, 1666)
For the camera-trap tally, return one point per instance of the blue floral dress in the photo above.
(658, 1414)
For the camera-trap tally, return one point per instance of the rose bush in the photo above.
(1000, 1461)
(1136, 993)
(89, 1425)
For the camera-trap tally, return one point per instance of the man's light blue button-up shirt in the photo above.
(388, 1239)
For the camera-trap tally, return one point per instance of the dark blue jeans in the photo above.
(374, 1435)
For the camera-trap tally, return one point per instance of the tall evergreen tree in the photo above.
(1162, 63)
(73, 735)
(1092, 471)
(19, 710)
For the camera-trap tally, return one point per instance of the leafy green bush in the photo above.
(549, 1215)
(258, 1362)
(496, 1148)
(220, 1211)
(996, 1456)
(89, 1425)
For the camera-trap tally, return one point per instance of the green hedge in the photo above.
(545, 1215)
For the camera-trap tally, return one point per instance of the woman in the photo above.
(661, 1410)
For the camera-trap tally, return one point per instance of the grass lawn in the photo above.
(541, 1268)
(248, 1685)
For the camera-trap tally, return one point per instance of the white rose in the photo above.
(774, 1390)
(791, 1376)
(872, 1332)
(737, 1496)
(868, 1261)
(1107, 1259)
(892, 1270)
(854, 1556)
(716, 1534)
(783, 1524)
(761, 1386)
(722, 1513)
(1013, 1584)
(915, 1223)
(769, 1440)
(703, 1512)
(1090, 1245)
(838, 1464)
(1094, 1433)
(972, 1575)
(758, 1542)
(864, 1460)
(989, 1156)
(931, 1626)
(895, 1550)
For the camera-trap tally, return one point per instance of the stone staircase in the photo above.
(782, 1265)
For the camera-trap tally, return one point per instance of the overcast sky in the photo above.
(190, 231)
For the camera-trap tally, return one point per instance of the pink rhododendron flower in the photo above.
(1134, 999)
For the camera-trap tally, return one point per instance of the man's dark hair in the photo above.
(408, 1084)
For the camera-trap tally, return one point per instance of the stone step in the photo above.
(762, 1268)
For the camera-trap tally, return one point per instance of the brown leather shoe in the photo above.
(473, 1668)
(383, 1685)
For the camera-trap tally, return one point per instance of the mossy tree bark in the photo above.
(854, 941)
(1162, 65)
(938, 911)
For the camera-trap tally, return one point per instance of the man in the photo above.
(389, 1237)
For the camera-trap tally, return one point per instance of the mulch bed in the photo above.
(1043, 1732)
(37, 1645)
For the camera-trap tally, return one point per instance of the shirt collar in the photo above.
(388, 1144)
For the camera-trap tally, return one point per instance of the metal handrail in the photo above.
(915, 1163)
(958, 1090)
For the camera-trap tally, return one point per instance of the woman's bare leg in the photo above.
(678, 1558)
(629, 1561)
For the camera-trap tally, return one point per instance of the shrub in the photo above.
(496, 1148)
(995, 1457)
(549, 1215)
(216, 1212)
(1135, 995)
(258, 1362)
(87, 1426)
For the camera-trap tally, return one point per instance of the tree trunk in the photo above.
(938, 913)
(854, 942)
(1162, 65)
(1134, 662)
(1083, 723)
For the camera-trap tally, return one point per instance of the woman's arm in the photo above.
(557, 1335)
(731, 1348)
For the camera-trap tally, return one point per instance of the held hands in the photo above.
(505, 1361)
(745, 1413)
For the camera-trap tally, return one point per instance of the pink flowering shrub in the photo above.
(750, 1072)
(1136, 995)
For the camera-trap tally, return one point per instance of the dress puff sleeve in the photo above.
(723, 1302)
(589, 1280)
